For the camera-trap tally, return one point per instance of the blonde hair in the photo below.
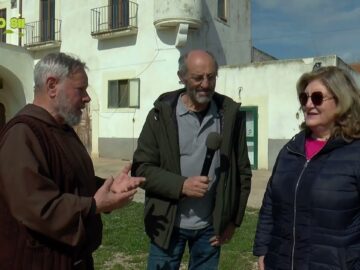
(347, 97)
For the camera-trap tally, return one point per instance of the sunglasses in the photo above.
(317, 98)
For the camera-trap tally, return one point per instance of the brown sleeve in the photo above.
(34, 199)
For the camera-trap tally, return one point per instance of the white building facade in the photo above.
(131, 49)
(267, 92)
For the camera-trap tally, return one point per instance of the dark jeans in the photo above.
(203, 256)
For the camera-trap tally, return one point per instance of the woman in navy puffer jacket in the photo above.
(310, 217)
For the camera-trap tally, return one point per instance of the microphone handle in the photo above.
(207, 162)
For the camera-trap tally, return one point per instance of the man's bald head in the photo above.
(183, 60)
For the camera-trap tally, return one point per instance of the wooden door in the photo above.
(83, 129)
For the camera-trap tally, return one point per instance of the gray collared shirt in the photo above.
(196, 213)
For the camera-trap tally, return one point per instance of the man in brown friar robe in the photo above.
(50, 199)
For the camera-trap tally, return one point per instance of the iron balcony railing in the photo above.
(45, 31)
(116, 17)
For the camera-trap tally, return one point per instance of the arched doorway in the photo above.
(2, 115)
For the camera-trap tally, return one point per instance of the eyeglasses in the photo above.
(198, 79)
(317, 98)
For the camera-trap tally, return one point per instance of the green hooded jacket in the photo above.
(157, 158)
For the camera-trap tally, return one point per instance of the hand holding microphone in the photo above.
(197, 186)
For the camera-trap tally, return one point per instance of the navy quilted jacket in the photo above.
(310, 217)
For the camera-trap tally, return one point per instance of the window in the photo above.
(47, 20)
(223, 9)
(119, 14)
(3, 25)
(124, 93)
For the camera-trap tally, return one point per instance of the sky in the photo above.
(290, 29)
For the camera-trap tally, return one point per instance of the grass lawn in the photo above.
(125, 244)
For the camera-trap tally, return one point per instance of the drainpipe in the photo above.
(19, 29)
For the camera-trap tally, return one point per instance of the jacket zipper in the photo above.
(295, 212)
(295, 199)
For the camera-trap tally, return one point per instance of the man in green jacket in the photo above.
(181, 206)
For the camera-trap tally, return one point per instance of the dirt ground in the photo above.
(105, 167)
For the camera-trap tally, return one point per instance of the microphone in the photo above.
(213, 142)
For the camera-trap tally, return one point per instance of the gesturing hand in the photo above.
(123, 182)
(118, 192)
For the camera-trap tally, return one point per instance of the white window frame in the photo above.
(133, 94)
(223, 10)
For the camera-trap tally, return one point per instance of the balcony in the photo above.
(42, 35)
(170, 14)
(114, 20)
(179, 16)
